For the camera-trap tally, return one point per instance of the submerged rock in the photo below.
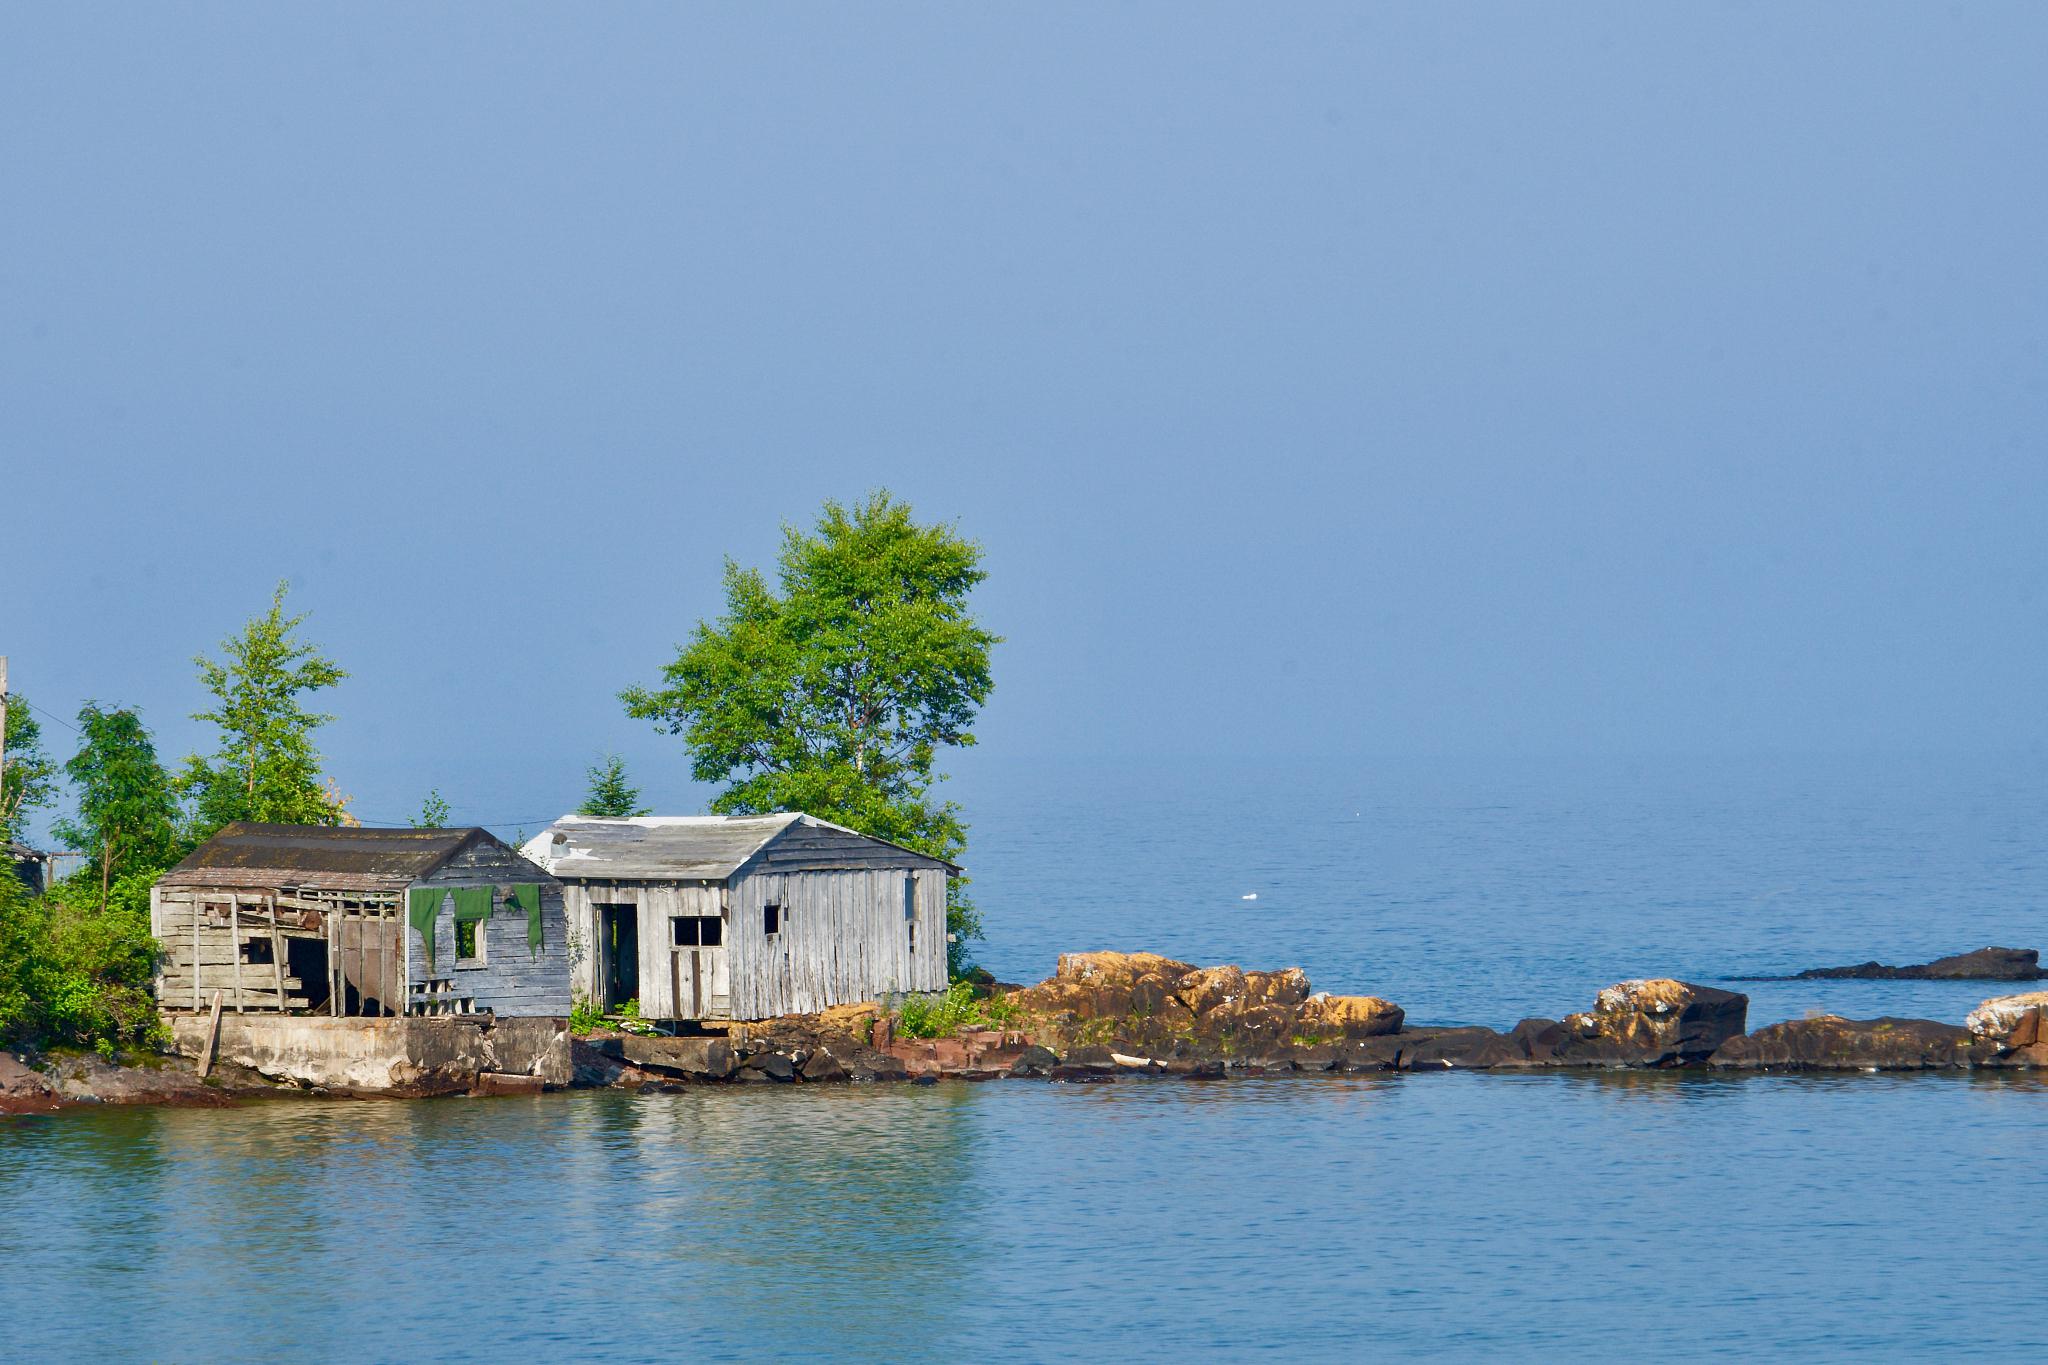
(1985, 964)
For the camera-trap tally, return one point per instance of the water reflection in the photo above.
(1460, 1214)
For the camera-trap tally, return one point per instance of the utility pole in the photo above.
(3, 716)
(8, 869)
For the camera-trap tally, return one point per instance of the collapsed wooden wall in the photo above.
(238, 943)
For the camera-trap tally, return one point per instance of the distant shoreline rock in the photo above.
(1985, 964)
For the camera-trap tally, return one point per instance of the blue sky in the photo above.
(1345, 379)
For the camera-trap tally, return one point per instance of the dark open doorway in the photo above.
(619, 938)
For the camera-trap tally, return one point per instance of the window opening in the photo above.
(697, 931)
(771, 920)
(469, 942)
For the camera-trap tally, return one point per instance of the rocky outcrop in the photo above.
(1654, 1022)
(2011, 1026)
(1145, 1005)
(1985, 964)
(91, 1079)
(24, 1090)
(1831, 1043)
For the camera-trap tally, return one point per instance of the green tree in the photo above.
(29, 779)
(833, 691)
(127, 815)
(434, 812)
(266, 768)
(611, 796)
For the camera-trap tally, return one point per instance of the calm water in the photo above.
(1459, 1216)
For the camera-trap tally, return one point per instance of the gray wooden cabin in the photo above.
(304, 919)
(745, 917)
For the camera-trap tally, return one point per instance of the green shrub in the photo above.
(584, 1017)
(942, 1013)
(74, 974)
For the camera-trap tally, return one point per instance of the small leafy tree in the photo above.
(611, 796)
(127, 813)
(266, 768)
(434, 812)
(833, 691)
(29, 780)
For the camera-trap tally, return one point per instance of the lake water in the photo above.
(1435, 1216)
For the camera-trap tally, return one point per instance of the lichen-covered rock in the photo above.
(1349, 1016)
(1207, 989)
(2009, 1021)
(1117, 968)
(1654, 1022)
(1831, 1043)
(1149, 1005)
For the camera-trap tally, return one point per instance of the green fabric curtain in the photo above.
(528, 897)
(473, 903)
(426, 906)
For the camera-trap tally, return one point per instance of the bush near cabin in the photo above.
(73, 974)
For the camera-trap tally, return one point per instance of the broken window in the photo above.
(697, 931)
(771, 920)
(469, 942)
(257, 950)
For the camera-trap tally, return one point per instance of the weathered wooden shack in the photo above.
(744, 917)
(353, 922)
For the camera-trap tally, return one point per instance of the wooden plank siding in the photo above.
(844, 937)
(510, 980)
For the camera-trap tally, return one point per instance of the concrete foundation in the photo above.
(400, 1057)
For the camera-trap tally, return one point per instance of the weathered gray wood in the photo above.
(234, 932)
(206, 1053)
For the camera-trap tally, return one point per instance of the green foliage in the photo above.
(434, 812)
(29, 779)
(74, 974)
(127, 815)
(834, 691)
(584, 1017)
(266, 768)
(628, 1019)
(611, 796)
(944, 1013)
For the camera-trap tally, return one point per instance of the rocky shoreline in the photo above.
(1107, 1015)
(1984, 964)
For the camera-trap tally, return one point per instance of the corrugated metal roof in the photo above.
(666, 847)
(249, 854)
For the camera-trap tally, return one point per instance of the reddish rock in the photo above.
(1655, 1022)
(1831, 1043)
(504, 1083)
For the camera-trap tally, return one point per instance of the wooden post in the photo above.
(235, 934)
(198, 912)
(212, 1043)
(3, 719)
(276, 955)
